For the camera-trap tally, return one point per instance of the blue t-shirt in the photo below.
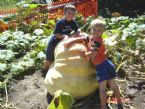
(66, 27)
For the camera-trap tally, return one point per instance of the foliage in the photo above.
(65, 100)
(6, 55)
(20, 52)
(30, 17)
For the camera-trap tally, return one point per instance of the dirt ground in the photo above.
(30, 93)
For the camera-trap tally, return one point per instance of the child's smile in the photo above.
(69, 15)
(97, 31)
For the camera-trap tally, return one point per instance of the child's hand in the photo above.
(74, 34)
(67, 43)
(82, 53)
(77, 35)
(66, 37)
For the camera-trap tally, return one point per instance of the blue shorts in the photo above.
(53, 41)
(105, 71)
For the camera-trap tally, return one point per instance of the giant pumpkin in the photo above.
(71, 72)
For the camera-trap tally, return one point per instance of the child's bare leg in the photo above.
(112, 84)
(102, 91)
(46, 64)
(45, 67)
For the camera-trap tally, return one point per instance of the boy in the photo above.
(63, 27)
(96, 53)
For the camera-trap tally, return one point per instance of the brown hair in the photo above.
(72, 7)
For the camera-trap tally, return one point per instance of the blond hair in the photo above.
(99, 22)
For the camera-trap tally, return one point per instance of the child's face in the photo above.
(97, 30)
(69, 14)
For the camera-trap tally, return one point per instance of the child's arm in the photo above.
(75, 34)
(76, 29)
(83, 37)
(74, 40)
(59, 36)
(89, 54)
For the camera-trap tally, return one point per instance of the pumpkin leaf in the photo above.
(6, 55)
(38, 32)
(3, 67)
(65, 100)
(41, 55)
(17, 68)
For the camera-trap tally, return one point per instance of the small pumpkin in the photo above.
(116, 14)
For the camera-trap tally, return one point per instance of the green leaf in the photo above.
(3, 67)
(131, 40)
(27, 63)
(33, 6)
(105, 35)
(65, 100)
(18, 34)
(16, 69)
(47, 32)
(38, 32)
(6, 55)
(41, 55)
(52, 22)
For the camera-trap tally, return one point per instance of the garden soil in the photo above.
(30, 93)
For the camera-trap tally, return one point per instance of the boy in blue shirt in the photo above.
(63, 28)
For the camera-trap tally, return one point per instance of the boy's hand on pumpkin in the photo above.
(67, 43)
(75, 34)
(66, 37)
(82, 53)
